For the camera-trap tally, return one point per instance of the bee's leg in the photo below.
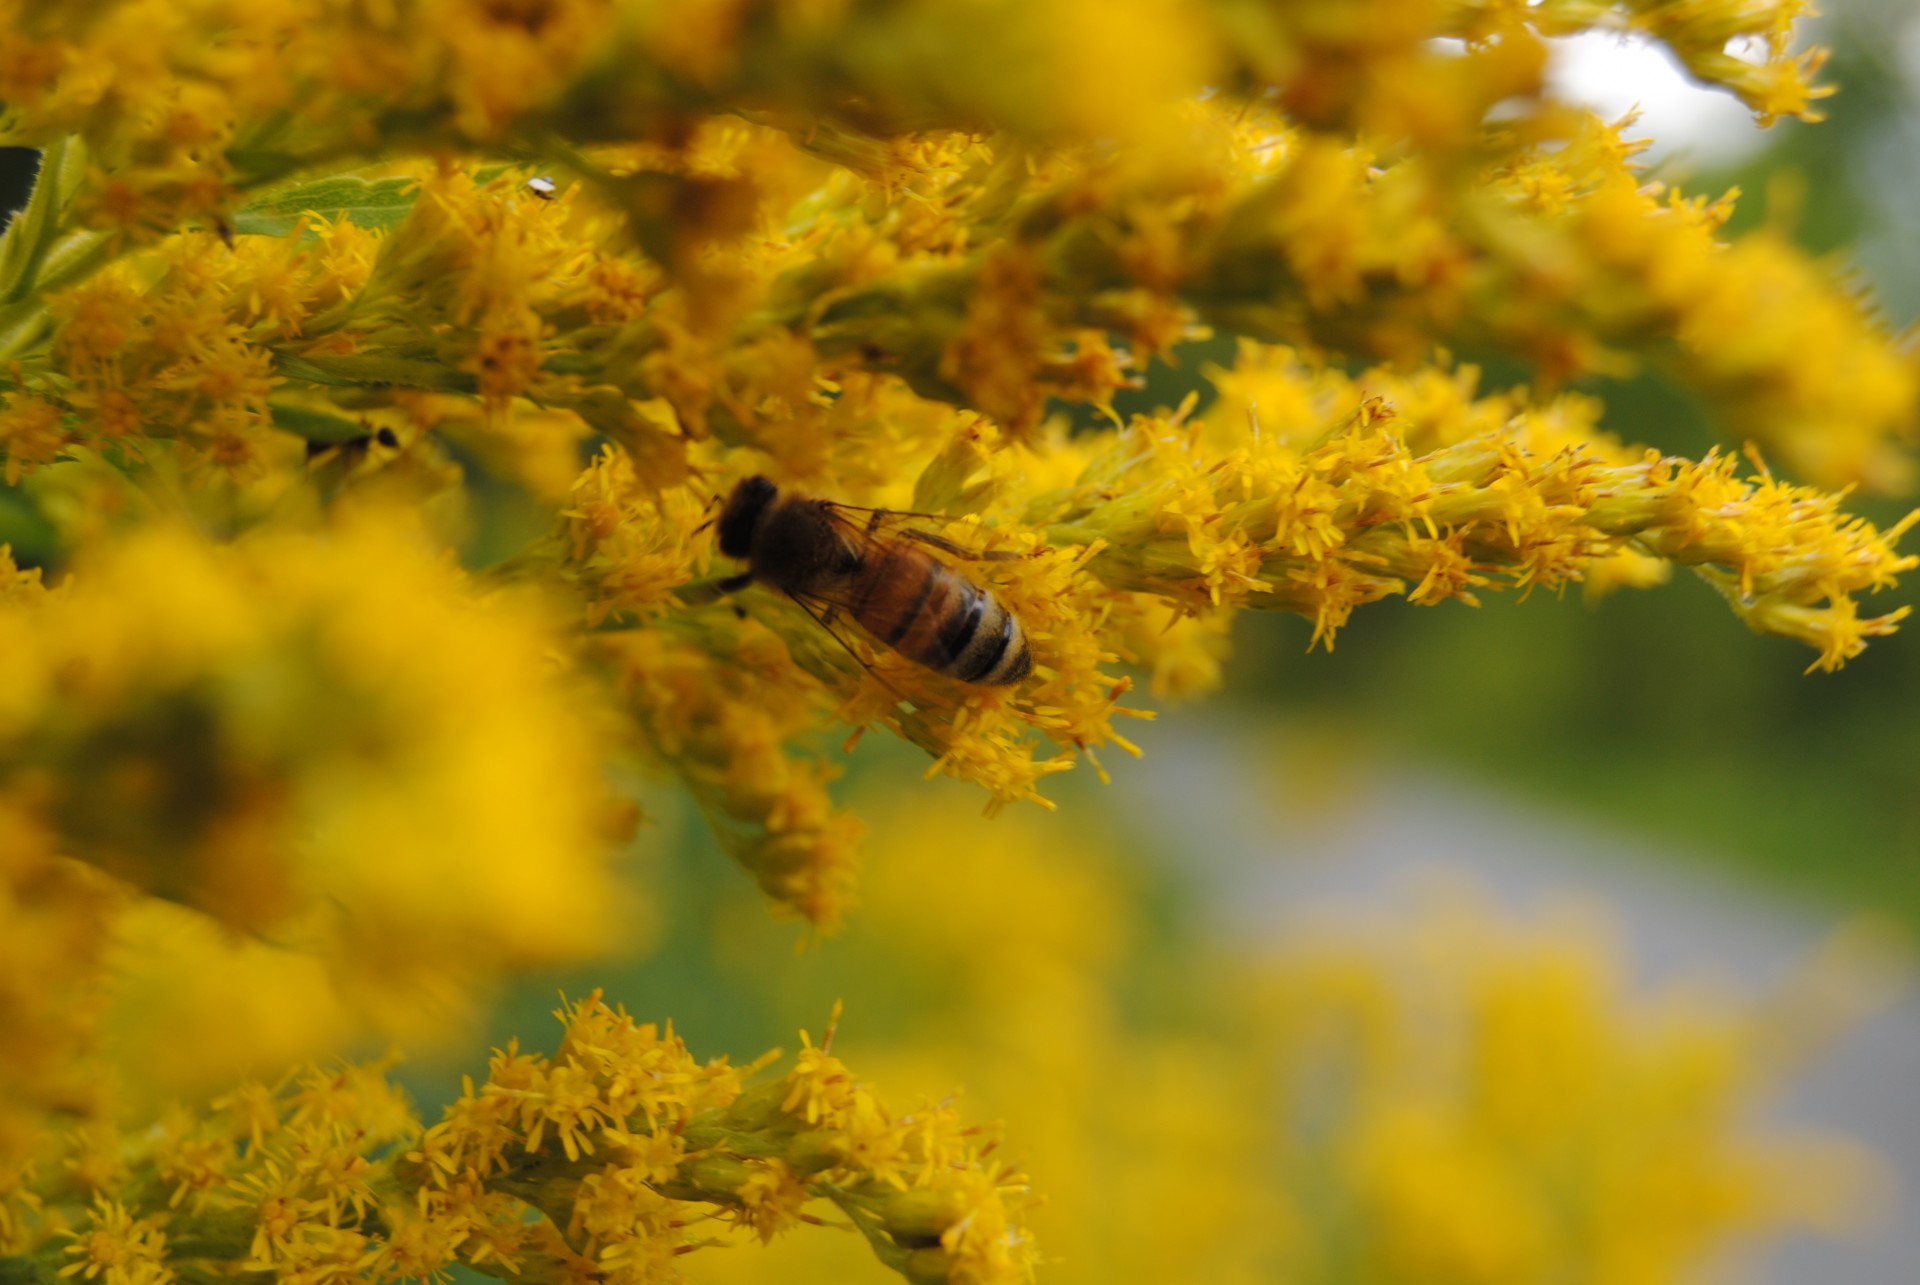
(879, 514)
(876, 516)
(945, 545)
(713, 502)
(732, 585)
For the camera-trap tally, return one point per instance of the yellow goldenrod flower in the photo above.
(33, 433)
(119, 1249)
(311, 294)
(610, 1154)
(283, 736)
(736, 272)
(1435, 1090)
(55, 921)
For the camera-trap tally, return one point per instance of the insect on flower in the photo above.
(543, 187)
(836, 558)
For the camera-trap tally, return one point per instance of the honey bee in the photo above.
(885, 578)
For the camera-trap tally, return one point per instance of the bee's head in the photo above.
(742, 514)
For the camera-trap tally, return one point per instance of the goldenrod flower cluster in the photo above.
(1508, 1107)
(296, 817)
(602, 1163)
(372, 373)
(1434, 1089)
(793, 239)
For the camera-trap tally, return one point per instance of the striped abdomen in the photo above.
(933, 615)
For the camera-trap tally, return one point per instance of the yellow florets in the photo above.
(316, 303)
(282, 736)
(880, 305)
(119, 1250)
(330, 1174)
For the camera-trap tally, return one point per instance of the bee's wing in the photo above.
(824, 608)
(864, 524)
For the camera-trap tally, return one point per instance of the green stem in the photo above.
(870, 1225)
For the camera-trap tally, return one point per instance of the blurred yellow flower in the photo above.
(1437, 1090)
(316, 302)
(282, 737)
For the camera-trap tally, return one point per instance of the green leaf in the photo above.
(316, 425)
(380, 204)
(24, 246)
